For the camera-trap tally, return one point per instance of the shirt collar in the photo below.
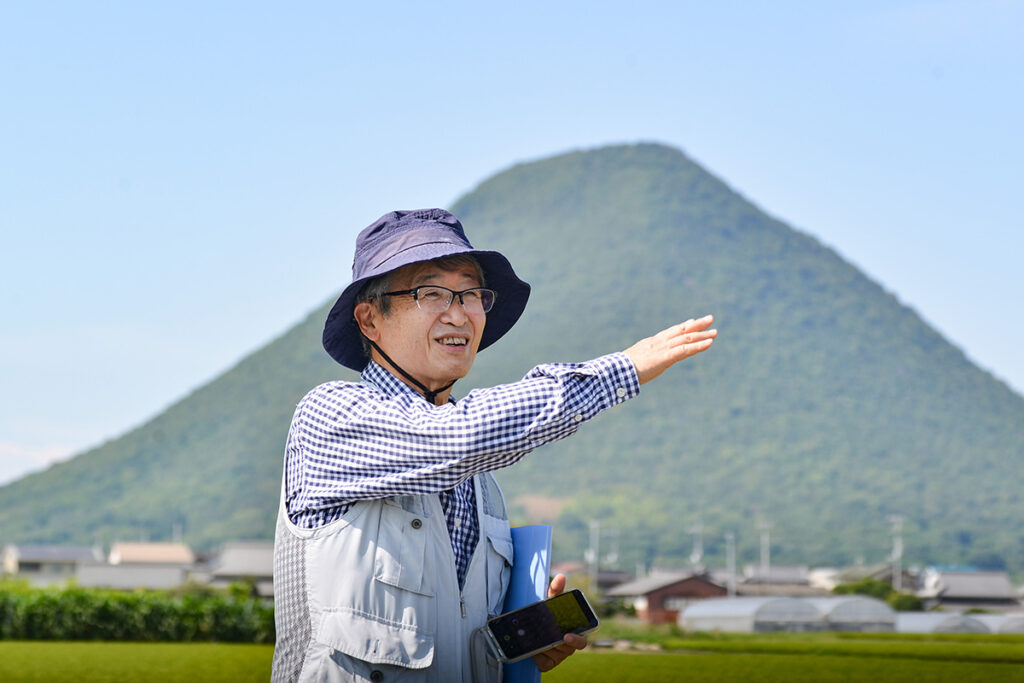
(389, 384)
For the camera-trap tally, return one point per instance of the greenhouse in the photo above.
(855, 613)
(1002, 623)
(752, 615)
(938, 622)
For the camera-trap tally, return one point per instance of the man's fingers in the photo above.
(696, 325)
(575, 641)
(653, 355)
(549, 659)
(557, 585)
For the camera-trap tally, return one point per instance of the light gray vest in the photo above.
(373, 596)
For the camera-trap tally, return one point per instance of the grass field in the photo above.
(783, 657)
(55, 662)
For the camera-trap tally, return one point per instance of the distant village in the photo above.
(760, 597)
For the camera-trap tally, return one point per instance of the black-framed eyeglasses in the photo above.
(435, 299)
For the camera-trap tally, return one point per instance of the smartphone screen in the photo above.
(542, 625)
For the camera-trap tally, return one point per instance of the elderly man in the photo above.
(393, 544)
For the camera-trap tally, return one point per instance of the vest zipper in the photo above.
(462, 605)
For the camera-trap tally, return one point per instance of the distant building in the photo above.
(659, 598)
(245, 561)
(789, 575)
(778, 581)
(140, 565)
(131, 576)
(959, 591)
(151, 553)
(876, 572)
(43, 565)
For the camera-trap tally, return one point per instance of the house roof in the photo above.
(969, 586)
(55, 553)
(794, 575)
(151, 553)
(779, 590)
(649, 584)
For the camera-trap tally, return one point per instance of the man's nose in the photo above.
(455, 312)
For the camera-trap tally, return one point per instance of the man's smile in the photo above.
(453, 341)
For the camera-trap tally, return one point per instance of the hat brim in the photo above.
(342, 338)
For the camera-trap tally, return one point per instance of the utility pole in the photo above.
(766, 547)
(592, 555)
(897, 552)
(730, 562)
(612, 558)
(698, 544)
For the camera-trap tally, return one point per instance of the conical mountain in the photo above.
(825, 407)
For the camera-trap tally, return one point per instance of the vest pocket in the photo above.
(362, 643)
(401, 549)
(499, 566)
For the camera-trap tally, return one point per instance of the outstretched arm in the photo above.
(655, 355)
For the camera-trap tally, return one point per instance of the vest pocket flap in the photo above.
(401, 548)
(376, 640)
(502, 546)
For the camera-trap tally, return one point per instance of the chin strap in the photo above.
(430, 395)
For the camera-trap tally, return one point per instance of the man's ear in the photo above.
(366, 315)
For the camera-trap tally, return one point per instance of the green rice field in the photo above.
(784, 657)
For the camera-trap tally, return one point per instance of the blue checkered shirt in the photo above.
(352, 441)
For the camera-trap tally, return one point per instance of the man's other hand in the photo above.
(549, 659)
(655, 355)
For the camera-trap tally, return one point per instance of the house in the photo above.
(140, 565)
(960, 590)
(151, 554)
(658, 598)
(42, 565)
(776, 581)
(245, 561)
(882, 571)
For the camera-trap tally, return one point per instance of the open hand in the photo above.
(655, 355)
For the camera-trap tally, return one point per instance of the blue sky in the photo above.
(183, 182)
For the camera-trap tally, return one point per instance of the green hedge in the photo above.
(75, 613)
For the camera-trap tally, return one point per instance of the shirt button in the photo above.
(416, 523)
(620, 392)
(577, 417)
(376, 676)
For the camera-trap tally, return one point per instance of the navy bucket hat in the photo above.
(400, 238)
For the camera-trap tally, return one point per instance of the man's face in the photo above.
(435, 348)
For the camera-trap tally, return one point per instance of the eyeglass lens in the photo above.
(438, 299)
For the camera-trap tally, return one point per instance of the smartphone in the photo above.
(528, 630)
